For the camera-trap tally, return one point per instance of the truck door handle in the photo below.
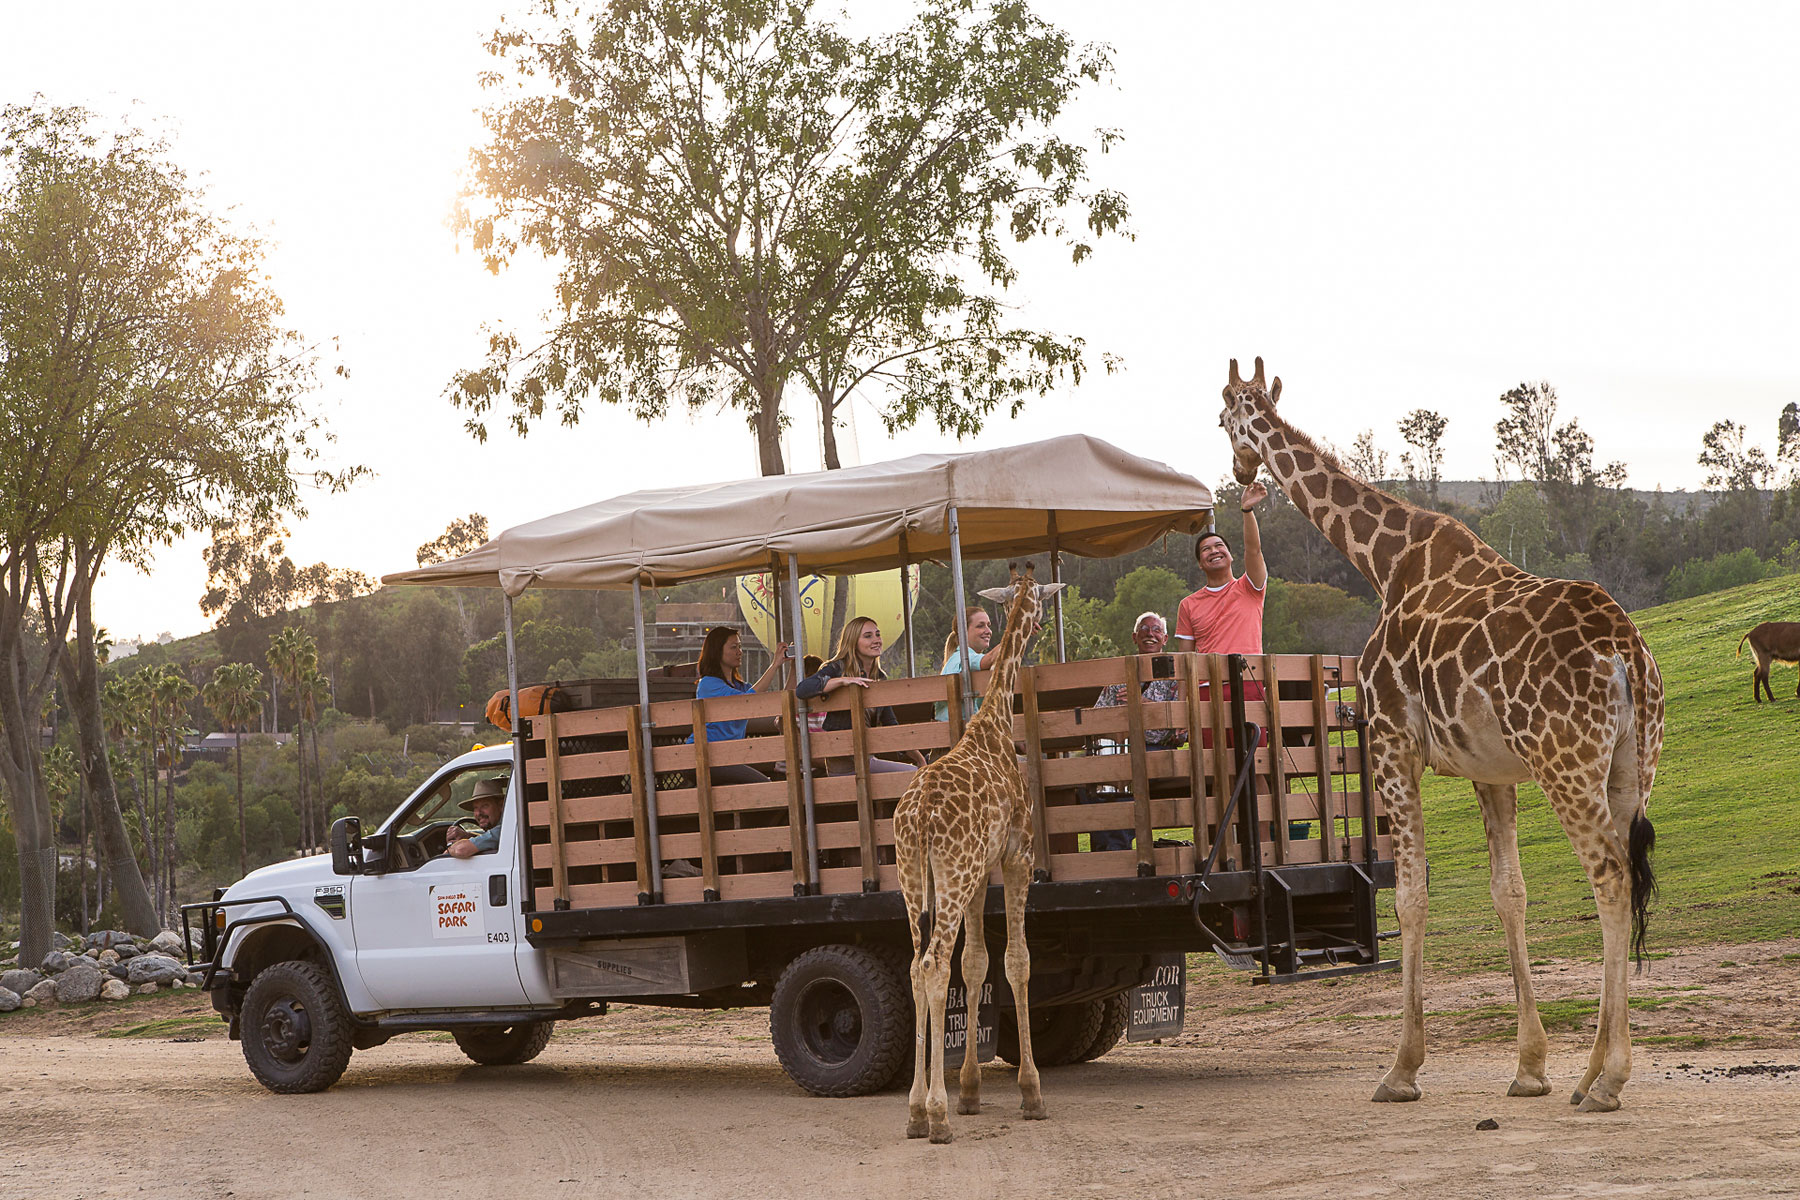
(497, 890)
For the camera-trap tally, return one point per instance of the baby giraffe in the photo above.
(961, 815)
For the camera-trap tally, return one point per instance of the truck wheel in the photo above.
(841, 1020)
(504, 1045)
(296, 1038)
(1060, 1033)
(1115, 1011)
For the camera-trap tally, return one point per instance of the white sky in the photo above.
(1413, 206)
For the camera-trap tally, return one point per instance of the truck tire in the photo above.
(1115, 1011)
(296, 1037)
(1060, 1033)
(504, 1045)
(841, 1020)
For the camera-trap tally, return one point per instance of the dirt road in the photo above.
(1265, 1094)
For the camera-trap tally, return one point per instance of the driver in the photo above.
(487, 803)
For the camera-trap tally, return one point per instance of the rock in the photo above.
(144, 989)
(9, 1000)
(107, 958)
(79, 984)
(1490, 1123)
(196, 978)
(169, 942)
(108, 939)
(20, 981)
(92, 954)
(42, 993)
(119, 971)
(28, 1002)
(55, 962)
(154, 968)
(114, 989)
(61, 940)
(128, 949)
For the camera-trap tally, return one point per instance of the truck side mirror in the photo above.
(346, 846)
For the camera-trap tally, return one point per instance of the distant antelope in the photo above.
(1770, 642)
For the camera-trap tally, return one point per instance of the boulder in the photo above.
(154, 968)
(9, 1000)
(20, 981)
(79, 984)
(144, 989)
(169, 942)
(107, 958)
(127, 950)
(107, 939)
(61, 940)
(55, 962)
(115, 989)
(196, 978)
(119, 971)
(43, 992)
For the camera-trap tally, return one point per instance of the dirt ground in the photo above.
(1264, 1094)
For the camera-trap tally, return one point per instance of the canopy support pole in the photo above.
(518, 740)
(961, 620)
(643, 666)
(906, 606)
(806, 779)
(1062, 652)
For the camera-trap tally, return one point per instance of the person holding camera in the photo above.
(721, 656)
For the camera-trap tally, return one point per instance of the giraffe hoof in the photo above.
(1034, 1112)
(1595, 1102)
(969, 1106)
(1524, 1086)
(1577, 1096)
(940, 1135)
(916, 1129)
(1385, 1094)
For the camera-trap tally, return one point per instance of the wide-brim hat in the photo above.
(487, 789)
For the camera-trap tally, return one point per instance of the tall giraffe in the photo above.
(1480, 670)
(959, 816)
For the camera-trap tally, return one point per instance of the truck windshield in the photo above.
(444, 803)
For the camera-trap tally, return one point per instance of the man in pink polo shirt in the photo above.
(1225, 615)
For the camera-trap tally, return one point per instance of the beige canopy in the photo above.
(1089, 497)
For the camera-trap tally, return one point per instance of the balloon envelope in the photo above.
(876, 595)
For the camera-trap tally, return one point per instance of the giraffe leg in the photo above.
(1016, 872)
(916, 1124)
(974, 973)
(1398, 785)
(937, 986)
(1499, 812)
(915, 888)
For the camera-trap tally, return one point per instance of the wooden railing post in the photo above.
(559, 860)
(796, 800)
(1277, 768)
(1196, 724)
(640, 804)
(703, 801)
(865, 804)
(1140, 769)
(1034, 774)
(1322, 744)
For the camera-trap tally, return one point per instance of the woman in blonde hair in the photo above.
(857, 664)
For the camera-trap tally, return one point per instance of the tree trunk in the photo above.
(300, 773)
(169, 830)
(21, 773)
(81, 686)
(768, 428)
(243, 838)
(320, 814)
(81, 791)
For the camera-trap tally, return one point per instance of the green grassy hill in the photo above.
(1726, 806)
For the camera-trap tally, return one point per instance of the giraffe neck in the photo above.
(996, 703)
(1365, 523)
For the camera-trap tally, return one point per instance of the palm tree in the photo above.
(172, 690)
(312, 696)
(235, 698)
(140, 712)
(293, 654)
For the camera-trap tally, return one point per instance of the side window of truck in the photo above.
(443, 804)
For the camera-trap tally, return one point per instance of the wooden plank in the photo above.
(1116, 814)
(790, 731)
(559, 866)
(1140, 774)
(1196, 756)
(1034, 774)
(1222, 764)
(1328, 831)
(1277, 769)
(640, 806)
(703, 805)
(580, 766)
(865, 804)
(590, 721)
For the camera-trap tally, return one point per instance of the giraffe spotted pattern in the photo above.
(1480, 670)
(962, 815)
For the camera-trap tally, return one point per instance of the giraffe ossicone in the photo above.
(960, 816)
(1480, 670)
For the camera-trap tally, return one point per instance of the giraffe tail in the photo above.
(1641, 688)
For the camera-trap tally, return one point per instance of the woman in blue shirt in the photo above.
(857, 664)
(721, 655)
